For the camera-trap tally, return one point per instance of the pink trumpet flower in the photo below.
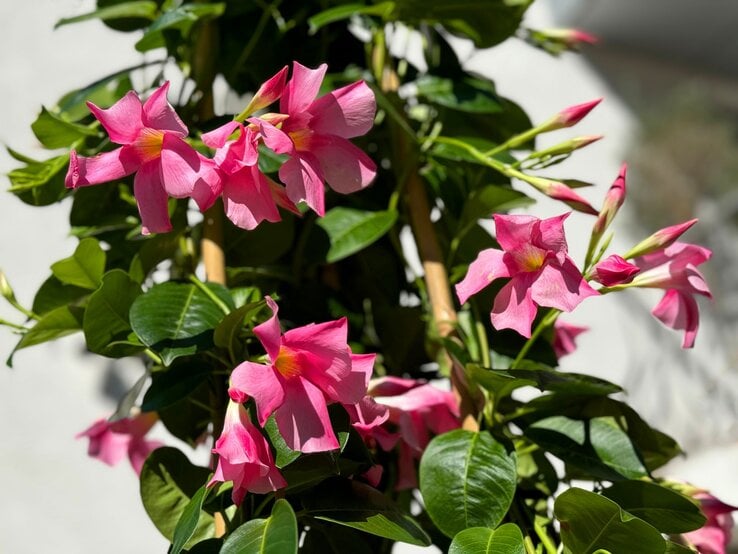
(249, 196)
(535, 258)
(314, 134)
(674, 269)
(244, 457)
(564, 339)
(110, 442)
(714, 536)
(308, 368)
(151, 135)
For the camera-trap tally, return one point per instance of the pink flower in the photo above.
(416, 410)
(613, 200)
(714, 536)
(534, 257)
(564, 339)
(660, 239)
(570, 116)
(151, 135)
(614, 270)
(314, 133)
(249, 196)
(674, 269)
(110, 442)
(244, 457)
(309, 367)
(570, 37)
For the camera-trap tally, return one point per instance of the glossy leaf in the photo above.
(665, 509)
(84, 268)
(506, 539)
(106, 317)
(354, 504)
(177, 319)
(275, 535)
(40, 183)
(55, 324)
(54, 132)
(467, 94)
(168, 482)
(338, 13)
(182, 17)
(467, 480)
(590, 522)
(141, 8)
(226, 333)
(187, 524)
(352, 230)
(174, 384)
(53, 294)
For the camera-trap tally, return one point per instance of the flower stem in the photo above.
(210, 294)
(544, 324)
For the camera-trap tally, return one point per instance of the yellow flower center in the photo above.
(530, 258)
(148, 144)
(287, 363)
(301, 138)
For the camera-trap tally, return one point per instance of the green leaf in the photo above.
(603, 450)
(182, 18)
(354, 504)
(168, 482)
(187, 524)
(467, 480)
(174, 384)
(275, 535)
(352, 230)
(40, 183)
(338, 13)
(506, 539)
(284, 455)
(144, 8)
(590, 522)
(53, 294)
(667, 510)
(106, 317)
(57, 323)
(54, 132)
(467, 94)
(177, 319)
(226, 333)
(84, 268)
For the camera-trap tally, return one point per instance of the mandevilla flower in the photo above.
(714, 536)
(151, 135)
(110, 442)
(564, 338)
(614, 270)
(309, 367)
(415, 410)
(244, 457)
(534, 257)
(314, 134)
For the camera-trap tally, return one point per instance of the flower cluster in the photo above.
(313, 132)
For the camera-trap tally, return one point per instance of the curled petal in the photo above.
(680, 312)
(123, 120)
(304, 181)
(151, 199)
(346, 112)
(514, 307)
(218, 137)
(102, 168)
(302, 88)
(260, 382)
(303, 419)
(269, 332)
(159, 114)
(486, 268)
(549, 234)
(245, 202)
(274, 138)
(346, 167)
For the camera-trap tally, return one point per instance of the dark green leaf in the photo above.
(143, 8)
(40, 183)
(182, 18)
(54, 132)
(665, 509)
(176, 319)
(468, 94)
(187, 524)
(84, 268)
(590, 522)
(226, 333)
(275, 535)
(168, 482)
(337, 13)
(352, 230)
(106, 317)
(506, 539)
(284, 454)
(174, 384)
(598, 447)
(55, 324)
(354, 504)
(467, 480)
(246, 538)
(53, 294)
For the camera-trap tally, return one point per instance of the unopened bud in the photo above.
(614, 270)
(566, 147)
(660, 239)
(559, 191)
(569, 116)
(569, 37)
(267, 94)
(613, 200)
(5, 289)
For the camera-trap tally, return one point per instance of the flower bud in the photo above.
(569, 37)
(660, 239)
(614, 270)
(567, 146)
(559, 191)
(569, 116)
(268, 93)
(613, 200)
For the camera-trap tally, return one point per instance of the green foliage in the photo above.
(276, 534)
(506, 539)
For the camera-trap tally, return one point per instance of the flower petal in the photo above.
(159, 114)
(262, 384)
(302, 88)
(680, 312)
(346, 112)
(269, 332)
(486, 268)
(180, 166)
(247, 204)
(303, 419)
(218, 137)
(304, 181)
(151, 199)
(513, 307)
(123, 120)
(102, 168)
(346, 167)
(560, 286)
(512, 231)
(274, 138)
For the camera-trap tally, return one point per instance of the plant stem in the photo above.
(545, 539)
(210, 294)
(546, 322)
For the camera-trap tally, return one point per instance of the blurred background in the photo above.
(668, 72)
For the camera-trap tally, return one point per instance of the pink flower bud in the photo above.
(660, 239)
(614, 270)
(570, 116)
(559, 191)
(613, 200)
(268, 92)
